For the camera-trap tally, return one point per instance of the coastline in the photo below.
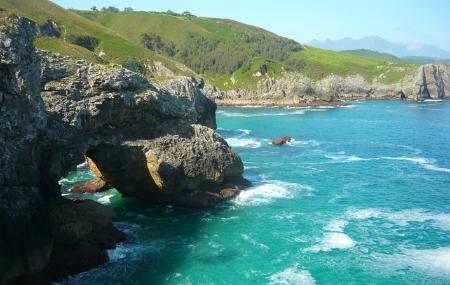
(339, 103)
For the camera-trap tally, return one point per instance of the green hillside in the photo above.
(109, 45)
(230, 54)
(372, 53)
(227, 53)
(319, 63)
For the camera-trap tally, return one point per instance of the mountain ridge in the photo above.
(380, 44)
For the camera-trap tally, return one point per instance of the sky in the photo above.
(424, 21)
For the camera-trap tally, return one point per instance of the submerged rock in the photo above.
(91, 186)
(281, 140)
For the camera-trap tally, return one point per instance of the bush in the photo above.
(155, 43)
(87, 42)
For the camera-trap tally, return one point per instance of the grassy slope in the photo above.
(113, 47)
(316, 63)
(319, 63)
(372, 53)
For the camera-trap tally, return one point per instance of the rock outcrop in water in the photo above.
(430, 82)
(148, 142)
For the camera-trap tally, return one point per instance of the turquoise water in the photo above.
(362, 196)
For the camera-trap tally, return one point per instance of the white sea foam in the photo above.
(106, 199)
(244, 131)
(292, 276)
(254, 242)
(243, 142)
(336, 226)
(432, 262)
(342, 157)
(334, 237)
(304, 143)
(429, 164)
(424, 162)
(263, 194)
(432, 100)
(266, 114)
(402, 218)
(82, 165)
(270, 191)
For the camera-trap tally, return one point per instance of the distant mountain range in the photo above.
(408, 50)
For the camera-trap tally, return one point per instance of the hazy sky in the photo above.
(425, 21)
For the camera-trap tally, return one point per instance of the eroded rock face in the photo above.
(429, 82)
(186, 166)
(53, 111)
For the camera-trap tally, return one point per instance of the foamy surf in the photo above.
(243, 142)
(403, 217)
(431, 262)
(269, 191)
(292, 276)
(333, 238)
(429, 164)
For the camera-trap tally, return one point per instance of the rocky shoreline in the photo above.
(295, 90)
(155, 144)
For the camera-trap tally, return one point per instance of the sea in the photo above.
(361, 195)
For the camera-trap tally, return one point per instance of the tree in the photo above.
(155, 43)
(128, 9)
(187, 14)
(110, 9)
(170, 12)
(94, 8)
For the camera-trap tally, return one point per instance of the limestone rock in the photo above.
(55, 109)
(295, 89)
(281, 140)
(186, 161)
(92, 186)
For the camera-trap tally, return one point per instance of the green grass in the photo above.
(58, 46)
(372, 53)
(248, 77)
(319, 63)
(315, 63)
(119, 42)
(112, 47)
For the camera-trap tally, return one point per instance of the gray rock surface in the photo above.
(54, 110)
(293, 89)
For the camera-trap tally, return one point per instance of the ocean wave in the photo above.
(82, 166)
(292, 275)
(333, 238)
(73, 177)
(429, 164)
(270, 191)
(432, 100)
(263, 194)
(249, 239)
(403, 217)
(244, 131)
(106, 199)
(303, 143)
(424, 162)
(432, 262)
(243, 142)
(341, 157)
(267, 114)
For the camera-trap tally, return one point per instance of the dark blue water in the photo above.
(362, 196)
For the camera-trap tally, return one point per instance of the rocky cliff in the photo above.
(294, 89)
(152, 143)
